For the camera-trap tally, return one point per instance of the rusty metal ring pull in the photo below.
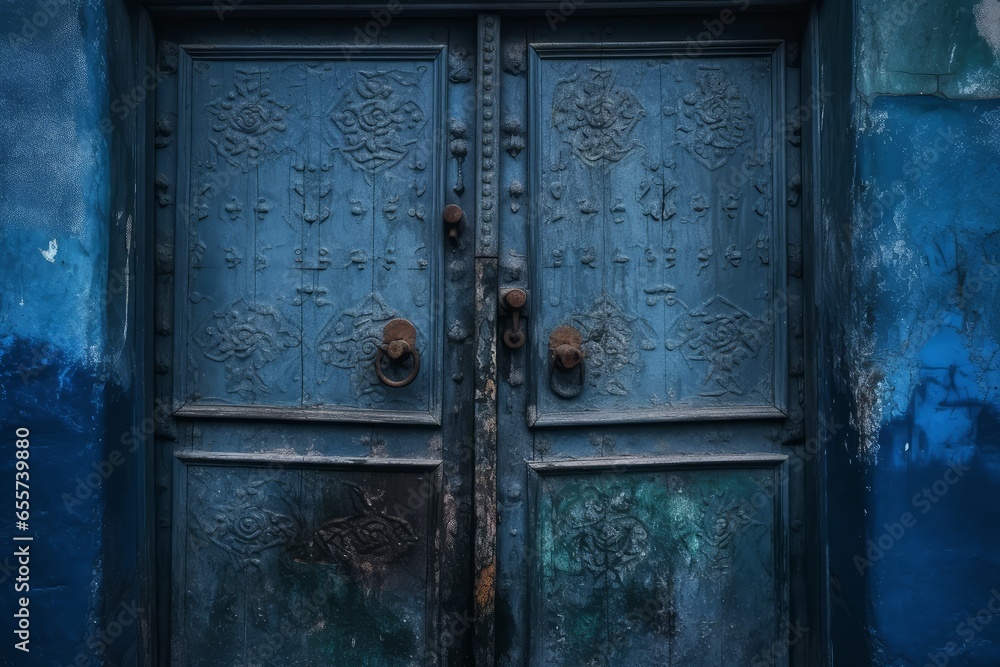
(566, 375)
(399, 342)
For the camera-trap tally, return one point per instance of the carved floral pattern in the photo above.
(604, 535)
(718, 119)
(366, 541)
(656, 537)
(263, 515)
(722, 334)
(596, 117)
(247, 527)
(350, 341)
(244, 117)
(726, 528)
(723, 527)
(245, 338)
(612, 339)
(598, 530)
(375, 117)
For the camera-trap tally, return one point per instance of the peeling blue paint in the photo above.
(54, 179)
(61, 403)
(928, 244)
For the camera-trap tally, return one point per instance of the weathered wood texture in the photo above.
(486, 442)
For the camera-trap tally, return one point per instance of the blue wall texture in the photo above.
(932, 259)
(67, 301)
(910, 364)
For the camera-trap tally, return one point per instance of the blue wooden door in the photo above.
(564, 429)
(648, 209)
(313, 472)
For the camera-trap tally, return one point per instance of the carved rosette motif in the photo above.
(350, 341)
(263, 515)
(611, 341)
(725, 529)
(716, 119)
(255, 521)
(596, 117)
(721, 334)
(607, 543)
(244, 117)
(245, 338)
(377, 119)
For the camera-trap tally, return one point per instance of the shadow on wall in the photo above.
(59, 403)
(933, 546)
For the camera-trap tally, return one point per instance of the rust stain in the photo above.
(485, 587)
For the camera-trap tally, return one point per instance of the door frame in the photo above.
(487, 307)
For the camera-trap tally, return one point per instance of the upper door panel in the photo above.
(657, 233)
(314, 176)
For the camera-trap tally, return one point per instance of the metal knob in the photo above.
(453, 216)
(567, 356)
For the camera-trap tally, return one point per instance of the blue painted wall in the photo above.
(911, 333)
(932, 255)
(67, 227)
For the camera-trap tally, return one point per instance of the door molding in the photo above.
(226, 9)
(487, 178)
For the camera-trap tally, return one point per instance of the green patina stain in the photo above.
(347, 624)
(927, 47)
(366, 632)
(614, 548)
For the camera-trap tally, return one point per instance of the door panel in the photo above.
(646, 243)
(308, 512)
(307, 161)
(258, 587)
(663, 562)
(646, 499)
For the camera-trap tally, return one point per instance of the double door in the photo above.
(478, 342)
